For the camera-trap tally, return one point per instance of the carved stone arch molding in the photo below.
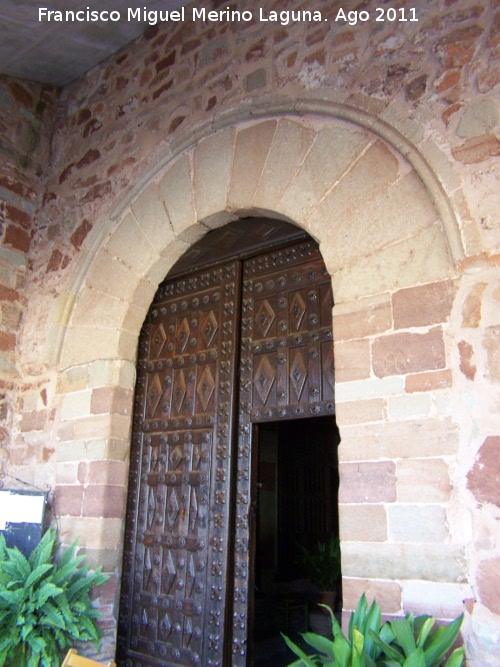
(356, 184)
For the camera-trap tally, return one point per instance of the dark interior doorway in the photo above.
(296, 513)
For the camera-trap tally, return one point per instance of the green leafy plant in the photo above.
(402, 642)
(418, 643)
(44, 605)
(322, 563)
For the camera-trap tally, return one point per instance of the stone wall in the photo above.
(381, 140)
(26, 125)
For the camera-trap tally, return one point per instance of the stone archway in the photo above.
(383, 225)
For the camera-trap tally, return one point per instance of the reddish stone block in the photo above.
(367, 482)
(166, 62)
(17, 216)
(116, 400)
(466, 355)
(386, 593)
(8, 294)
(483, 479)
(7, 342)
(422, 305)
(104, 500)
(80, 234)
(488, 577)
(403, 353)
(20, 94)
(428, 381)
(370, 321)
(471, 311)
(107, 472)
(352, 360)
(68, 500)
(477, 149)
(97, 192)
(17, 238)
(90, 156)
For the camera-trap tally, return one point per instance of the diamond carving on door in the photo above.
(185, 582)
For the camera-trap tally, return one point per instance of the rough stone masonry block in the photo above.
(352, 360)
(213, 159)
(291, 143)
(423, 305)
(428, 562)
(367, 482)
(110, 276)
(329, 158)
(363, 523)
(95, 309)
(250, 153)
(423, 258)
(403, 353)
(423, 480)
(176, 188)
(399, 440)
(384, 214)
(358, 320)
(386, 593)
(369, 177)
(129, 244)
(92, 532)
(151, 215)
(417, 523)
(76, 404)
(484, 478)
(104, 500)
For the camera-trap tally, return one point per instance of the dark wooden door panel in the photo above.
(176, 543)
(187, 574)
(286, 373)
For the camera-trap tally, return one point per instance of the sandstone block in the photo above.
(212, 173)
(330, 157)
(483, 480)
(130, 245)
(115, 400)
(250, 153)
(421, 259)
(370, 388)
(428, 381)
(76, 404)
(427, 562)
(403, 353)
(367, 482)
(291, 143)
(488, 577)
(151, 215)
(386, 593)
(176, 189)
(491, 341)
(441, 600)
(360, 412)
(362, 523)
(372, 318)
(423, 480)
(423, 305)
(68, 500)
(417, 523)
(352, 360)
(418, 438)
(104, 500)
(406, 407)
(99, 310)
(92, 532)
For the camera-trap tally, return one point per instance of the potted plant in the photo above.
(44, 605)
(322, 567)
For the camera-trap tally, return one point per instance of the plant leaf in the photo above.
(402, 628)
(415, 659)
(307, 660)
(457, 658)
(441, 641)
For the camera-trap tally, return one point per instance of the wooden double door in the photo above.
(242, 342)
